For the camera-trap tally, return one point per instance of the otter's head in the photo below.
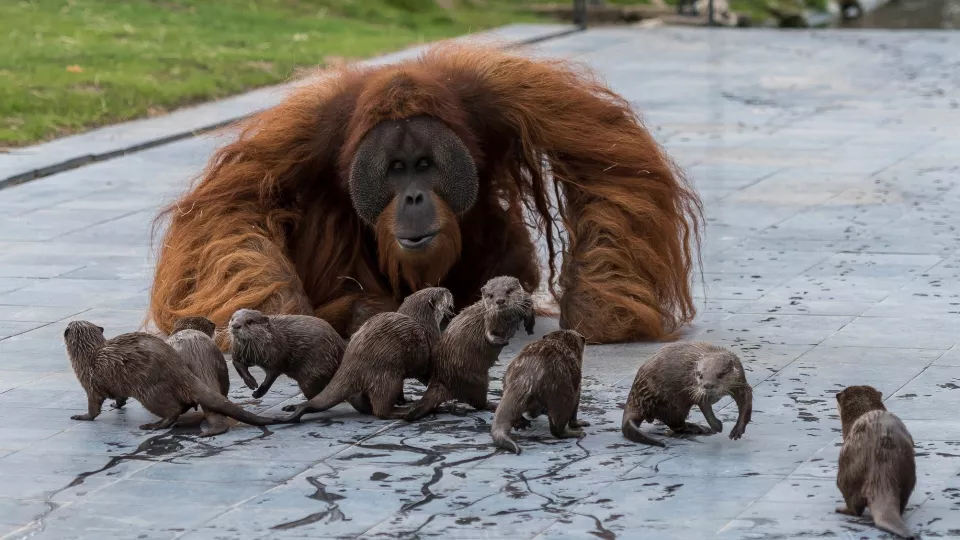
(83, 339)
(430, 305)
(505, 303)
(251, 336)
(717, 373)
(412, 180)
(571, 339)
(854, 401)
(201, 324)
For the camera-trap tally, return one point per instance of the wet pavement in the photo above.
(829, 165)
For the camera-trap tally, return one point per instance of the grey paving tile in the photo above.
(899, 333)
(35, 313)
(774, 329)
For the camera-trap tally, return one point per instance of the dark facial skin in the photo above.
(414, 161)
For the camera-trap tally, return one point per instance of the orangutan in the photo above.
(374, 182)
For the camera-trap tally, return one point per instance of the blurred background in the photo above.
(70, 65)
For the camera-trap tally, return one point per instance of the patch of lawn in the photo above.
(70, 65)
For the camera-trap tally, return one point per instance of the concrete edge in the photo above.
(120, 139)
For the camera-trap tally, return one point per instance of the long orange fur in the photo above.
(270, 225)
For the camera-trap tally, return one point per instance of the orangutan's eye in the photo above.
(423, 163)
(397, 165)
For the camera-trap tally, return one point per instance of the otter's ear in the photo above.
(100, 328)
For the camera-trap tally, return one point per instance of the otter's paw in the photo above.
(259, 392)
(521, 423)
(85, 417)
(737, 432)
(842, 509)
(152, 427)
(288, 408)
(693, 429)
(579, 423)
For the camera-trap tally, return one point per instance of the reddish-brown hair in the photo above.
(270, 224)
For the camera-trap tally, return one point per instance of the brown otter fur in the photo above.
(193, 338)
(305, 348)
(544, 378)
(387, 349)
(146, 368)
(471, 344)
(679, 376)
(877, 467)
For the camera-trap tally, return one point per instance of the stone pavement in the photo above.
(829, 166)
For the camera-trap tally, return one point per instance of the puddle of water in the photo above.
(910, 14)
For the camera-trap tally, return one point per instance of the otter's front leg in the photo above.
(743, 396)
(707, 411)
(94, 406)
(244, 373)
(529, 319)
(267, 383)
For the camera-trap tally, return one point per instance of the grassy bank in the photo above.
(70, 65)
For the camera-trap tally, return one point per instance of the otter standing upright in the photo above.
(680, 376)
(877, 466)
(302, 347)
(387, 349)
(544, 378)
(193, 338)
(146, 368)
(471, 344)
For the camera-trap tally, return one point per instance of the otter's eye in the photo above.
(397, 166)
(423, 163)
(699, 375)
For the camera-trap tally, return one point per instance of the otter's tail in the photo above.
(335, 393)
(886, 516)
(213, 401)
(631, 430)
(508, 410)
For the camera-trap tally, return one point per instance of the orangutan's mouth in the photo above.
(416, 242)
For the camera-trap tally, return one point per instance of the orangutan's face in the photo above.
(414, 177)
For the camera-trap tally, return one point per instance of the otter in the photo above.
(544, 378)
(146, 368)
(679, 376)
(877, 466)
(387, 349)
(305, 348)
(193, 338)
(471, 344)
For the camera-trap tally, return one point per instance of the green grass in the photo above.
(70, 65)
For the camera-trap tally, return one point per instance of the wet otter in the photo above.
(146, 368)
(305, 348)
(680, 376)
(387, 349)
(877, 466)
(471, 344)
(193, 338)
(544, 378)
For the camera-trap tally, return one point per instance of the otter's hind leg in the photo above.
(361, 402)
(574, 423)
(855, 505)
(561, 409)
(162, 424)
(216, 424)
(118, 403)
(383, 398)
